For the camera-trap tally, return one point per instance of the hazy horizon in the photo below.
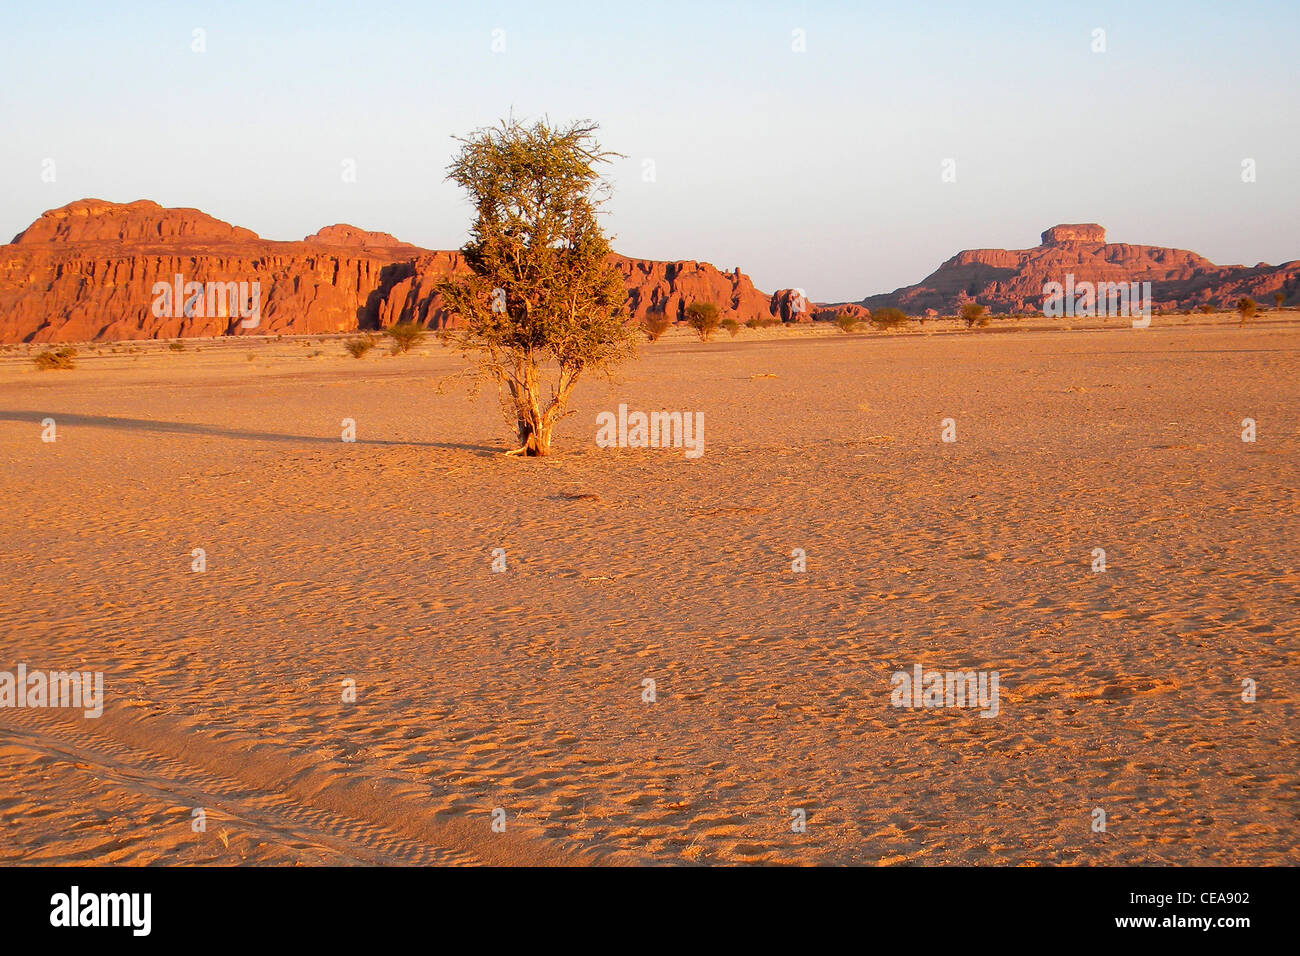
(256, 128)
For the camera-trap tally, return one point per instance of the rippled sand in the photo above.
(372, 562)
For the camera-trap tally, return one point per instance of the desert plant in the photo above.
(972, 313)
(405, 336)
(704, 318)
(51, 359)
(359, 346)
(542, 303)
(888, 317)
(846, 321)
(176, 346)
(1279, 298)
(1247, 308)
(655, 324)
(1208, 309)
(753, 324)
(732, 326)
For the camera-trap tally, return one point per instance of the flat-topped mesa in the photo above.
(1074, 232)
(1010, 281)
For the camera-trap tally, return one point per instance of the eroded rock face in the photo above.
(1013, 280)
(791, 305)
(669, 287)
(90, 270)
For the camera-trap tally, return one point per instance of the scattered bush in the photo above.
(359, 346)
(972, 313)
(1279, 298)
(655, 324)
(887, 317)
(405, 336)
(1208, 309)
(846, 321)
(1247, 308)
(753, 324)
(732, 326)
(703, 317)
(176, 346)
(51, 359)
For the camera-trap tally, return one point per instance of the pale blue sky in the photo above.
(818, 169)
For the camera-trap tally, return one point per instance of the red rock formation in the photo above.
(1013, 280)
(92, 270)
(1074, 232)
(342, 234)
(94, 220)
(669, 287)
(791, 305)
(832, 312)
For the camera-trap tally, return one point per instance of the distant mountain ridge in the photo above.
(1013, 280)
(87, 271)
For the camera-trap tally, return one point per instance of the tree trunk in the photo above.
(533, 424)
(534, 437)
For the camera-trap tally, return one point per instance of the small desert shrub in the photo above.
(888, 317)
(1279, 298)
(360, 346)
(972, 313)
(732, 326)
(176, 346)
(1208, 309)
(51, 359)
(405, 335)
(846, 321)
(703, 317)
(1247, 308)
(655, 324)
(753, 324)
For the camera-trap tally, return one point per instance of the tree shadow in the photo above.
(215, 431)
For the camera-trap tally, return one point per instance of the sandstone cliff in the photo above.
(89, 270)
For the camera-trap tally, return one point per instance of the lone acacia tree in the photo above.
(542, 302)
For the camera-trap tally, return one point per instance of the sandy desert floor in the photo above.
(371, 561)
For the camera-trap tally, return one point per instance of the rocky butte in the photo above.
(1013, 280)
(87, 271)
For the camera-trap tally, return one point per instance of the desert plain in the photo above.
(520, 695)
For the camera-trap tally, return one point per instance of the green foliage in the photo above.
(543, 303)
(704, 318)
(846, 321)
(405, 336)
(51, 359)
(655, 324)
(1247, 308)
(359, 346)
(973, 314)
(888, 317)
